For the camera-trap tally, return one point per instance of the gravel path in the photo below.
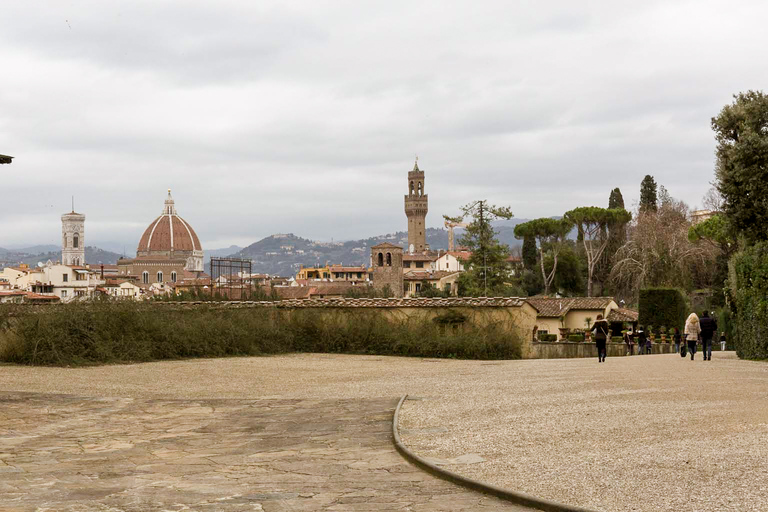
(633, 434)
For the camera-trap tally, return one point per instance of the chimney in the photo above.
(102, 271)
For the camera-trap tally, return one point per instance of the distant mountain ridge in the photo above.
(284, 254)
(93, 256)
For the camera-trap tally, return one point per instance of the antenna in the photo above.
(73, 204)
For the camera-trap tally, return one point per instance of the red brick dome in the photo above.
(169, 233)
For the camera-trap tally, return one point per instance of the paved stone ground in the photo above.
(650, 433)
(66, 453)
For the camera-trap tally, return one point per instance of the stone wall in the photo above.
(568, 349)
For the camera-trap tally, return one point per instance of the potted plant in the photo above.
(651, 333)
(663, 331)
(588, 332)
(564, 331)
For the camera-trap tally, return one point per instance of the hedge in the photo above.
(663, 307)
(114, 332)
(575, 337)
(748, 283)
(548, 337)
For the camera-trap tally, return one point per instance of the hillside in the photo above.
(283, 254)
(93, 256)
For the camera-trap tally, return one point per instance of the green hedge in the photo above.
(110, 332)
(548, 337)
(663, 307)
(748, 283)
(575, 337)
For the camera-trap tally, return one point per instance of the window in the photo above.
(65, 278)
(419, 264)
(63, 293)
(173, 277)
(359, 275)
(418, 287)
(80, 277)
(389, 259)
(79, 293)
(76, 241)
(159, 277)
(145, 277)
(381, 260)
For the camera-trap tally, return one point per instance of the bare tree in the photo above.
(658, 252)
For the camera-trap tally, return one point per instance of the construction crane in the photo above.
(450, 225)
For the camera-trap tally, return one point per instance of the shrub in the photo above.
(109, 332)
(548, 337)
(617, 339)
(662, 306)
(748, 283)
(575, 337)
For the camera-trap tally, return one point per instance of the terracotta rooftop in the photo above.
(372, 303)
(422, 275)
(420, 257)
(623, 315)
(556, 307)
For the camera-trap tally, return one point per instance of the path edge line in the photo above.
(519, 498)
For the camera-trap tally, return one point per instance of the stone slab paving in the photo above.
(69, 453)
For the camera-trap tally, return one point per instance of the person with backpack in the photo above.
(692, 331)
(600, 328)
(708, 329)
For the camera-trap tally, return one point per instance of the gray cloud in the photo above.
(277, 117)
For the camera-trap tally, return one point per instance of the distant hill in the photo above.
(283, 254)
(93, 256)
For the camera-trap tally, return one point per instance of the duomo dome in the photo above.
(169, 236)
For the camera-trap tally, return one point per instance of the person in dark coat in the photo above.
(600, 328)
(641, 339)
(708, 329)
(677, 338)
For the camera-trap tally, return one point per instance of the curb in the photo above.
(519, 498)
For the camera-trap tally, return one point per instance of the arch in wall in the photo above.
(145, 277)
(411, 189)
(159, 277)
(381, 259)
(173, 277)
(76, 241)
(421, 189)
(389, 259)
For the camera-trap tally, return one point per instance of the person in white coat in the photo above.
(692, 331)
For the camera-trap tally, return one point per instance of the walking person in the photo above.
(640, 340)
(722, 341)
(708, 329)
(692, 331)
(628, 341)
(676, 338)
(600, 328)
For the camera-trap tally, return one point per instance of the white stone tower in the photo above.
(73, 238)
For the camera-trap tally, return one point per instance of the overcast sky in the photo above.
(305, 117)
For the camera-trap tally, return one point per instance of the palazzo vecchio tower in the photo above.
(416, 206)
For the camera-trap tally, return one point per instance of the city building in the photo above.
(168, 250)
(440, 280)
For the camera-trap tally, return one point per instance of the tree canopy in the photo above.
(550, 234)
(616, 200)
(648, 197)
(486, 269)
(594, 225)
(741, 132)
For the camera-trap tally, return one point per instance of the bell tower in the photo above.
(416, 207)
(73, 238)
